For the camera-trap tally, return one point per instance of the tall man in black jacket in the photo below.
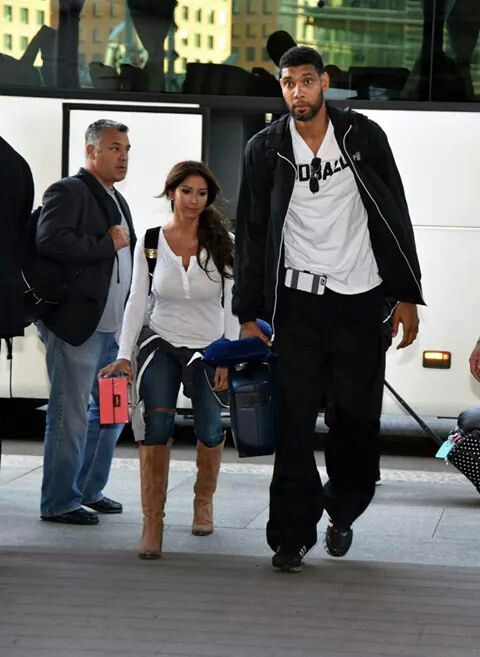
(323, 237)
(86, 225)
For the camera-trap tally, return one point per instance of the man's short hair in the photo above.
(95, 130)
(300, 55)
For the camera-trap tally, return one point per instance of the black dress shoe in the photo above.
(337, 543)
(105, 505)
(77, 517)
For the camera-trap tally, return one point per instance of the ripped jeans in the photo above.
(159, 390)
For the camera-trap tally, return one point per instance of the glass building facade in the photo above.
(424, 50)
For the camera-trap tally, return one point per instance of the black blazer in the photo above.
(72, 229)
(16, 199)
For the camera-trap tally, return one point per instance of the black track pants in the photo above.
(329, 347)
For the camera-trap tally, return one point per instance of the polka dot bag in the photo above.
(465, 454)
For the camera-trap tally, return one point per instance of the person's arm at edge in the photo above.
(474, 361)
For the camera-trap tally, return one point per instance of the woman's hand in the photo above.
(221, 379)
(120, 366)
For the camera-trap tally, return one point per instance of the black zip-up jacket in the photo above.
(267, 185)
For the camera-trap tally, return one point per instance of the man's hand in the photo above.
(252, 330)
(221, 379)
(120, 237)
(474, 361)
(405, 314)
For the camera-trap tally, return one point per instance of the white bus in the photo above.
(436, 149)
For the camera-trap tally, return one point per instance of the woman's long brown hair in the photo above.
(213, 225)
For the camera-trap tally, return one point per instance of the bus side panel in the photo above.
(449, 322)
(437, 156)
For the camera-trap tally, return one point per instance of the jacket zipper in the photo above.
(380, 213)
(280, 250)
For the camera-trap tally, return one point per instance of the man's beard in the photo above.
(314, 110)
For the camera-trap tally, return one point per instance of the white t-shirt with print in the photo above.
(326, 232)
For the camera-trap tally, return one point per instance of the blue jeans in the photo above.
(78, 451)
(159, 390)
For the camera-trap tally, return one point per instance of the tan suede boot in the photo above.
(208, 465)
(154, 462)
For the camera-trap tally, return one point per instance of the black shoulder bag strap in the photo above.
(150, 249)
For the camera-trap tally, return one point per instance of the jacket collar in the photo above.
(341, 120)
(107, 204)
(94, 185)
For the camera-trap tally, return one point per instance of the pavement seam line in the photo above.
(410, 476)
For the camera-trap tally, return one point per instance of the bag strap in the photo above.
(150, 250)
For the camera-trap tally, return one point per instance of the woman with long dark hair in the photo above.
(189, 307)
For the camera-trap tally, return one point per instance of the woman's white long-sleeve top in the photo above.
(187, 304)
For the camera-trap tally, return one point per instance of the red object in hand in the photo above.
(113, 394)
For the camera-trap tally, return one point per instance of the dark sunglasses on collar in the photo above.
(315, 173)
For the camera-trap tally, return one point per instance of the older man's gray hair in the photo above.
(95, 130)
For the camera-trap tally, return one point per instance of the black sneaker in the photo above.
(289, 560)
(338, 543)
(105, 505)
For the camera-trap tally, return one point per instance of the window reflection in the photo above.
(374, 49)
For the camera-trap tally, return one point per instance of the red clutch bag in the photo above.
(113, 394)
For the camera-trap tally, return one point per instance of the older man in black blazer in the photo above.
(86, 226)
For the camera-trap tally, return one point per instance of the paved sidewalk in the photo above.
(409, 587)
